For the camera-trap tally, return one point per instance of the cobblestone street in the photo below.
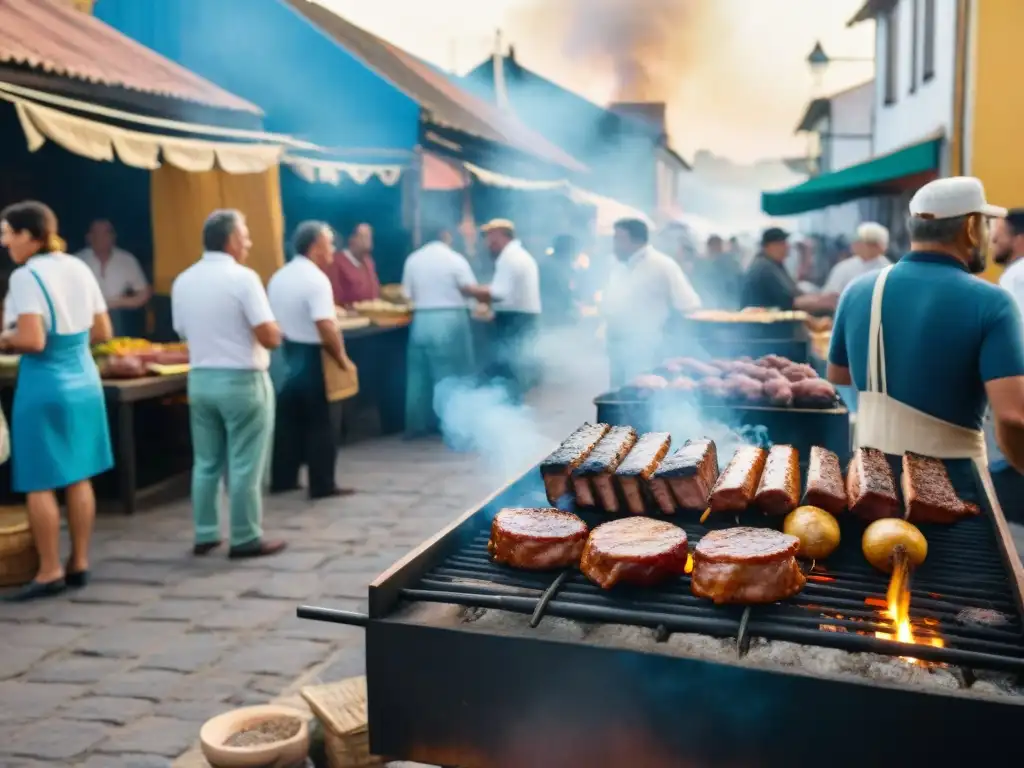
(124, 672)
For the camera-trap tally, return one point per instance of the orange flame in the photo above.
(689, 564)
(897, 608)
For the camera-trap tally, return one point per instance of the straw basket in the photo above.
(18, 558)
(341, 710)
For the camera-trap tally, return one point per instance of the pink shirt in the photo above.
(352, 279)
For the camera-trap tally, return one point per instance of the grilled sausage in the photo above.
(779, 490)
(814, 391)
(636, 469)
(685, 479)
(592, 480)
(799, 371)
(735, 488)
(557, 467)
(928, 494)
(825, 487)
(779, 391)
(870, 487)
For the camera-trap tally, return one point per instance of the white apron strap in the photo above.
(876, 343)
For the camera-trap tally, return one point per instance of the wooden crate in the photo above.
(341, 709)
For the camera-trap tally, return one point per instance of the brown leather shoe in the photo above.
(257, 548)
(205, 547)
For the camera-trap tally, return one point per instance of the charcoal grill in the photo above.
(799, 427)
(454, 696)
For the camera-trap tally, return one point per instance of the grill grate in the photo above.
(841, 606)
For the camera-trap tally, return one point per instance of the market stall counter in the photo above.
(379, 350)
(149, 429)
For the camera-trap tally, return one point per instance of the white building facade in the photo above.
(840, 127)
(915, 88)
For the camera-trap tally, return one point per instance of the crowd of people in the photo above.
(247, 428)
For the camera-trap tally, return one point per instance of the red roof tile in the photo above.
(55, 38)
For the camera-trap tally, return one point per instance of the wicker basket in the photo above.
(19, 560)
(341, 710)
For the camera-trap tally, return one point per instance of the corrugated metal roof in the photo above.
(54, 37)
(446, 103)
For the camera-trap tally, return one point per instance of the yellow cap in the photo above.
(498, 224)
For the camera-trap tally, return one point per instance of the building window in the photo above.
(928, 70)
(891, 32)
(914, 42)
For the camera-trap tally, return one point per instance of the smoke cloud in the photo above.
(477, 416)
(732, 72)
(650, 46)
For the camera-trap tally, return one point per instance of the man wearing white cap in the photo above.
(514, 293)
(942, 342)
(869, 256)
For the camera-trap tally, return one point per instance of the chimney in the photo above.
(650, 113)
(498, 59)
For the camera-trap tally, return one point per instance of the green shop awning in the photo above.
(878, 176)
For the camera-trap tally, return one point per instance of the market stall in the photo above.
(99, 127)
(148, 419)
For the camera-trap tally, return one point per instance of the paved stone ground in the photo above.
(124, 673)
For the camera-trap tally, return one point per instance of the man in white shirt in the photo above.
(307, 424)
(646, 291)
(437, 280)
(219, 307)
(118, 272)
(1008, 252)
(514, 293)
(869, 256)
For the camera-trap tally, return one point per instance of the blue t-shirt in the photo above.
(946, 333)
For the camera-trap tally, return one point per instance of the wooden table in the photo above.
(380, 354)
(123, 396)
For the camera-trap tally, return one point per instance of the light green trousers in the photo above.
(232, 418)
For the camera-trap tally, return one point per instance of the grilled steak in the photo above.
(870, 487)
(634, 550)
(825, 487)
(636, 469)
(746, 566)
(537, 539)
(735, 488)
(593, 479)
(779, 490)
(928, 495)
(557, 467)
(685, 479)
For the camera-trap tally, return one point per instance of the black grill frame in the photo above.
(968, 566)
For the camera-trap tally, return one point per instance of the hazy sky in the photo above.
(742, 83)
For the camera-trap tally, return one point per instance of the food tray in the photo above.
(747, 330)
(672, 412)
(352, 323)
(390, 320)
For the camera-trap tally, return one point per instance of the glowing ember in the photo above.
(897, 608)
(689, 564)
(582, 262)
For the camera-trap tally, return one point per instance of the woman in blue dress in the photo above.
(59, 433)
